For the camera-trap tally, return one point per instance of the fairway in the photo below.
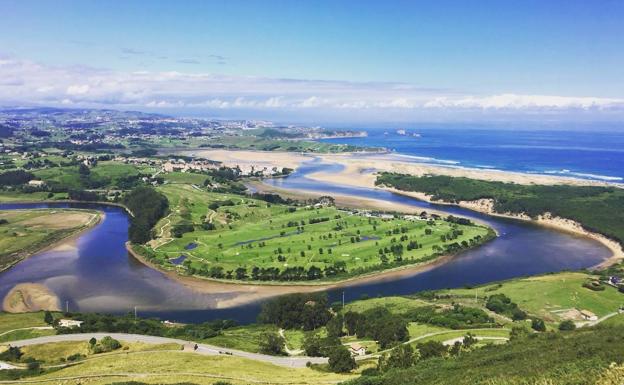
(230, 236)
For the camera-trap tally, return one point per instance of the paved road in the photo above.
(452, 341)
(209, 350)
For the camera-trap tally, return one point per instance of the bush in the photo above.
(273, 344)
(567, 325)
(538, 324)
(340, 360)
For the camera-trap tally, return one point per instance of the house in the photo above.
(588, 316)
(36, 183)
(357, 349)
(69, 323)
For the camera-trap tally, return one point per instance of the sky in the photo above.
(319, 60)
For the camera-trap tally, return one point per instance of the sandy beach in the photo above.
(359, 168)
(28, 297)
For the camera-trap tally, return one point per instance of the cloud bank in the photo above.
(24, 82)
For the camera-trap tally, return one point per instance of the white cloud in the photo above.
(513, 101)
(78, 89)
(26, 82)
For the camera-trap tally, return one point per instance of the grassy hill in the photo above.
(158, 364)
(579, 357)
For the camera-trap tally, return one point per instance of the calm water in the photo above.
(595, 153)
(100, 275)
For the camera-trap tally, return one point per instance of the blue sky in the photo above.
(417, 59)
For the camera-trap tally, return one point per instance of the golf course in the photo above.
(227, 236)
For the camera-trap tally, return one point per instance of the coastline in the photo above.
(58, 243)
(355, 163)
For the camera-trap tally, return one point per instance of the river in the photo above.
(99, 275)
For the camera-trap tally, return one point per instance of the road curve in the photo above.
(205, 349)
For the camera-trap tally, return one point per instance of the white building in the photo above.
(357, 349)
(69, 323)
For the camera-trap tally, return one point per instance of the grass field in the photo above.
(167, 367)
(251, 233)
(396, 305)
(12, 321)
(57, 352)
(27, 231)
(17, 335)
(18, 196)
(106, 174)
(544, 294)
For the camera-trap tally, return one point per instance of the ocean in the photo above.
(596, 154)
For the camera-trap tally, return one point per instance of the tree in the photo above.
(48, 318)
(340, 360)
(456, 349)
(538, 324)
(92, 342)
(83, 170)
(315, 346)
(273, 344)
(567, 325)
(334, 326)
(469, 340)
(431, 349)
(518, 333)
(402, 357)
(147, 206)
(350, 320)
(13, 353)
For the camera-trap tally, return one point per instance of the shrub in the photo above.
(340, 360)
(567, 325)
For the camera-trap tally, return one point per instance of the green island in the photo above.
(23, 232)
(230, 236)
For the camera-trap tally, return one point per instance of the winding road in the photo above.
(205, 349)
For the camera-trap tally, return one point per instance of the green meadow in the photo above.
(226, 232)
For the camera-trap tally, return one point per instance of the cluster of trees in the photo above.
(378, 324)
(457, 317)
(15, 177)
(501, 304)
(293, 273)
(296, 311)
(95, 322)
(597, 208)
(147, 206)
(105, 345)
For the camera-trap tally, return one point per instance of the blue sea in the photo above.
(594, 153)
